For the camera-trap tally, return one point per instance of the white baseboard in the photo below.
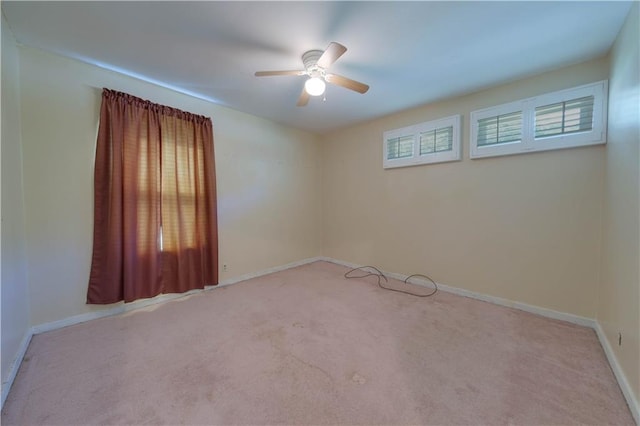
(107, 312)
(127, 307)
(625, 387)
(269, 271)
(575, 319)
(15, 365)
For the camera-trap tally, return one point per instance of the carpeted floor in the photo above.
(307, 346)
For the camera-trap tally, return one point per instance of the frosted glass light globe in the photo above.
(315, 86)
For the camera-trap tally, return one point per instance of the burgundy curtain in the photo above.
(155, 216)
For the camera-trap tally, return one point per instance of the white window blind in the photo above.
(430, 142)
(563, 118)
(436, 140)
(400, 147)
(500, 129)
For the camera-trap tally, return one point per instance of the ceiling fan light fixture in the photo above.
(315, 86)
(316, 63)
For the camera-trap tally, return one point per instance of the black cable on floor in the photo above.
(361, 272)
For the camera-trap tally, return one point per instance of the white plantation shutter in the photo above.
(500, 129)
(562, 118)
(433, 141)
(400, 147)
(436, 140)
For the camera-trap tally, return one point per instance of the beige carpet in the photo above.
(307, 346)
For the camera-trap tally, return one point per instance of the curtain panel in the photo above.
(155, 213)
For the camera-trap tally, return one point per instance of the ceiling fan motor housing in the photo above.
(310, 61)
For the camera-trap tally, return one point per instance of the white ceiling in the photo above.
(410, 53)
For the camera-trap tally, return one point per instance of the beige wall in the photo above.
(619, 295)
(13, 280)
(523, 227)
(268, 178)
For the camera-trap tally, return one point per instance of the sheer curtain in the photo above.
(155, 217)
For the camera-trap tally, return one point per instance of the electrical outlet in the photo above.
(224, 267)
(619, 339)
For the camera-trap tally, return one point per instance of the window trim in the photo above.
(455, 154)
(529, 143)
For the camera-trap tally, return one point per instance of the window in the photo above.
(436, 140)
(500, 129)
(563, 119)
(155, 218)
(431, 142)
(400, 147)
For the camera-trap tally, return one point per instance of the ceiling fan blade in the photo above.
(303, 100)
(333, 52)
(347, 83)
(270, 73)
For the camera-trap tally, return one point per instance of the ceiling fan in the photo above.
(316, 63)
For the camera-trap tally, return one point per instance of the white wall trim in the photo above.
(625, 387)
(549, 313)
(269, 271)
(118, 309)
(126, 307)
(15, 366)
(563, 316)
